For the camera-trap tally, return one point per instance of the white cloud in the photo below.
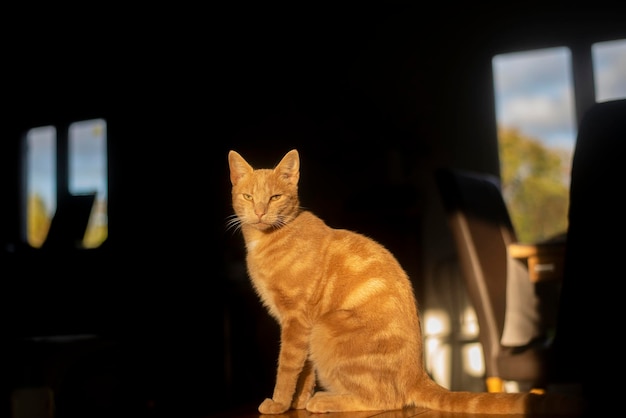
(534, 94)
(609, 59)
(544, 117)
(531, 71)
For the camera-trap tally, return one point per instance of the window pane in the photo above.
(535, 114)
(41, 191)
(609, 69)
(88, 173)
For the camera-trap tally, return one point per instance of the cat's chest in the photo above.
(279, 260)
(282, 277)
(267, 287)
(271, 270)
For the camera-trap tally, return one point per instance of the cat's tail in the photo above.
(433, 396)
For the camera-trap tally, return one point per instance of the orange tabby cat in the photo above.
(346, 308)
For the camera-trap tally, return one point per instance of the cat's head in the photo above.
(265, 199)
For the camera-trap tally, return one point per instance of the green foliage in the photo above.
(38, 224)
(38, 221)
(97, 229)
(535, 184)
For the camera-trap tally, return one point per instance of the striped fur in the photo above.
(350, 332)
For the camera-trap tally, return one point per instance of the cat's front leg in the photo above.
(305, 387)
(294, 340)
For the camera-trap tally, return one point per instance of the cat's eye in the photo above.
(247, 196)
(275, 197)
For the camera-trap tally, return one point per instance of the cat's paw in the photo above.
(319, 403)
(268, 406)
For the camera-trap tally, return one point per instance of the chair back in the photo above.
(591, 307)
(482, 229)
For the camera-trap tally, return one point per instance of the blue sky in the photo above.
(534, 89)
(87, 160)
(610, 64)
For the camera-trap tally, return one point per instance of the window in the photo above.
(537, 127)
(609, 69)
(536, 135)
(50, 172)
(41, 199)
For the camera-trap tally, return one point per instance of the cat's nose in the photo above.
(260, 211)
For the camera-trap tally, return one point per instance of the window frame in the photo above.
(62, 171)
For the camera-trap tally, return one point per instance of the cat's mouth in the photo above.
(262, 225)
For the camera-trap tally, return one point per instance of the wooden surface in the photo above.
(545, 260)
(250, 412)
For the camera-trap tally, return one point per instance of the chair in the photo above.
(70, 221)
(482, 230)
(587, 350)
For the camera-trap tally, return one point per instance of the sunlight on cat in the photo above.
(351, 339)
(363, 293)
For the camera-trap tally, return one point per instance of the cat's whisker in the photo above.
(232, 217)
(233, 223)
(279, 223)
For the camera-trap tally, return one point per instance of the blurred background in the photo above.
(140, 107)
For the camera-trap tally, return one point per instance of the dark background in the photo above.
(374, 96)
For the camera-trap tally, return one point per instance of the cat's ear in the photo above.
(238, 167)
(289, 167)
